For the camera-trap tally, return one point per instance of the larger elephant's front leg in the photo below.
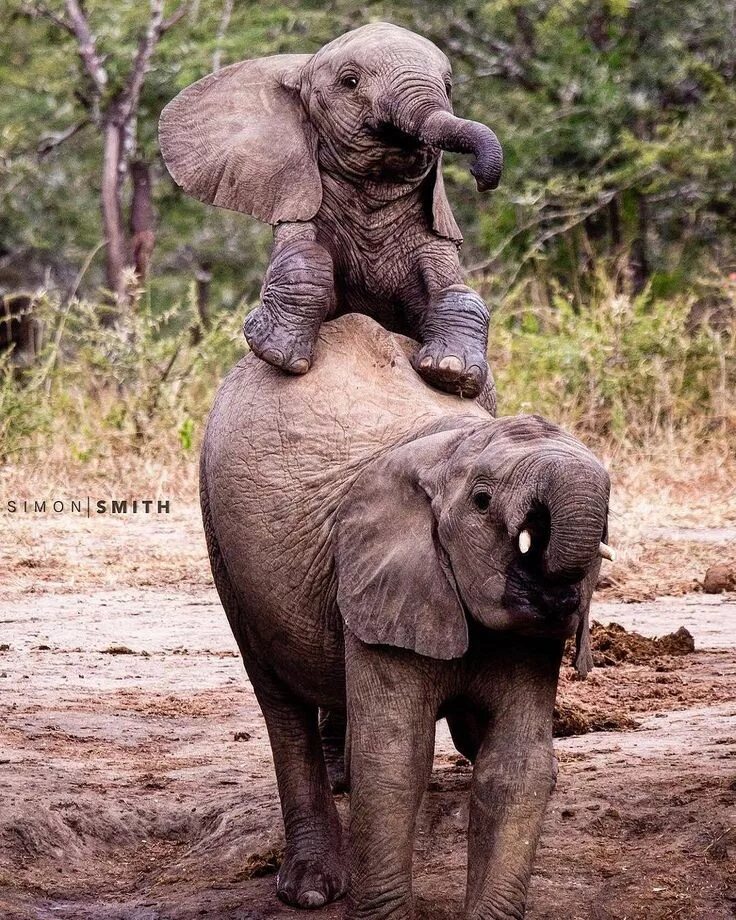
(513, 777)
(391, 717)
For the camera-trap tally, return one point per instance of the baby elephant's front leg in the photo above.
(454, 336)
(296, 296)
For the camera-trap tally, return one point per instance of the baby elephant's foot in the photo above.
(309, 882)
(455, 337)
(297, 294)
(288, 348)
(452, 369)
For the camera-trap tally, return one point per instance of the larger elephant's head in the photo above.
(373, 105)
(499, 521)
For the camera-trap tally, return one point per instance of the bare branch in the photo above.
(86, 45)
(156, 27)
(227, 12)
(40, 10)
(175, 17)
(49, 141)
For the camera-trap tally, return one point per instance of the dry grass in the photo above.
(119, 414)
(673, 514)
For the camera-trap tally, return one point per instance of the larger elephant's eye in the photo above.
(448, 88)
(482, 500)
(350, 81)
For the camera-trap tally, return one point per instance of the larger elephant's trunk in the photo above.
(437, 127)
(577, 504)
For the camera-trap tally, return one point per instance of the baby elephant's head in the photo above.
(504, 522)
(380, 98)
(372, 105)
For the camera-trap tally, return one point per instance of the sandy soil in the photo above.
(136, 778)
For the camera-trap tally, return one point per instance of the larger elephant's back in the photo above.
(282, 451)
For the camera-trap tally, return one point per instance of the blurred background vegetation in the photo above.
(608, 253)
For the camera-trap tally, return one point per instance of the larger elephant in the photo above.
(341, 152)
(393, 553)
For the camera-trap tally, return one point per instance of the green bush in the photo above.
(621, 369)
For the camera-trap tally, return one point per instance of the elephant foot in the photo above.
(451, 368)
(309, 881)
(297, 294)
(455, 341)
(291, 350)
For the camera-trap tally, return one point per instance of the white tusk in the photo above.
(525, 542)
(606, 552)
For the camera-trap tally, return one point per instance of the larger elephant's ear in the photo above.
(240, 139)
(443, 220)
(394, 582)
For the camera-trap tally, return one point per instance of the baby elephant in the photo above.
(391, 554)
(341, 152)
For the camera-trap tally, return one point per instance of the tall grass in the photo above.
(622, 370)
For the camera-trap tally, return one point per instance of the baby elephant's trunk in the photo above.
(433, 124)
(446, 131)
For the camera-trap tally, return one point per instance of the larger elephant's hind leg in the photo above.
(312, 872)
(333, 730)
(468, 727)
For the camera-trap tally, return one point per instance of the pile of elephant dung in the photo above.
(720, 578)
(613, 644)
(573, 719)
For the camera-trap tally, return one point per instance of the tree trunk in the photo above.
(112, 218)
(142, 233)
(639, 253)
(203, 278)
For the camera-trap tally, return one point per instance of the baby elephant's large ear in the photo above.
(240, 139)
(394, 582)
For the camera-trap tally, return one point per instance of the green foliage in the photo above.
(625, 368)
(618, 121)
(604, 252)
(97, 392)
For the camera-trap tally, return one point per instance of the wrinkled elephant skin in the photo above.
(364, 534)
(341, 152)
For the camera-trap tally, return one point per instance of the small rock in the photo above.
(720, 577)
(241, 736)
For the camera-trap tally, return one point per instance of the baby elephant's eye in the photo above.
(350, 81)
(481, 500)
(448, 88)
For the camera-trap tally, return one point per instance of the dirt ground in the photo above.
(135, 775)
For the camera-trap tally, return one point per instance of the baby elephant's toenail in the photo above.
(300, 366)
(312, 899)
(273, 356)
(425, 363)
(451, 363)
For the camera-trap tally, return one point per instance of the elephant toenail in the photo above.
(425, 363)
(300, 366)
(312, 899)
(273, 356)
(452, 364)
